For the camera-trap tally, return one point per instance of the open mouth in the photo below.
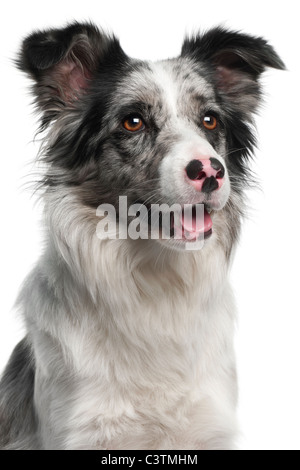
(188, 224)
(194, 223)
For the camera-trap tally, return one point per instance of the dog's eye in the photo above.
(210, 122)
(133, 123)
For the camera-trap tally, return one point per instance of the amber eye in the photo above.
(133, 123)
(210, 122)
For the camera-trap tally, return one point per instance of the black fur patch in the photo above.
(233, 50)
(64, 62)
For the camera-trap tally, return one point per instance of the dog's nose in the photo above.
(205, 174)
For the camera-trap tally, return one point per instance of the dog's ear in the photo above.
(237, 60)
(63, 63)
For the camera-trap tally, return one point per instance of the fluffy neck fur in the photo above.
(130, 331)
(141, 270)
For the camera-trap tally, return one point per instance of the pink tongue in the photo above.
(196, 225)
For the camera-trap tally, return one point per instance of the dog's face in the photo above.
(172, 132)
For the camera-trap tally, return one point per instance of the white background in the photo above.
(265, 274)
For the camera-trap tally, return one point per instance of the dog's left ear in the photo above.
(237, 60)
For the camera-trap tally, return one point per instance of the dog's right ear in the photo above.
(63, 63)
(237, 61)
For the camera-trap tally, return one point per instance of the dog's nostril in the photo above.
(201, 175)
(220, 174)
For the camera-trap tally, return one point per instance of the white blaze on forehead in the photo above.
(176, 85)
(164, 78)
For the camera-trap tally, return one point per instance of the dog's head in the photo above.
(173, 132)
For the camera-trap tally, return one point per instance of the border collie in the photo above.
(129, 341)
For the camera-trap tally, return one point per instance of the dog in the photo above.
(129, 342)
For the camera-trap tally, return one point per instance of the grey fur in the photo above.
(17, 415)
(130, 343)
